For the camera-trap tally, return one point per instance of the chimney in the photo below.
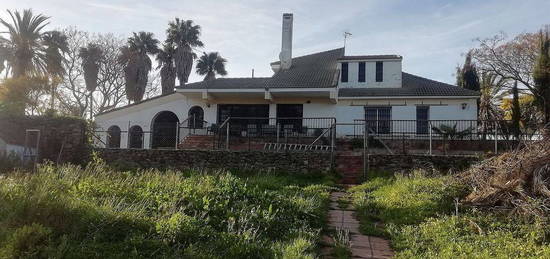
(286, 47)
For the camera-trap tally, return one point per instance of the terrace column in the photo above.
(272, 113)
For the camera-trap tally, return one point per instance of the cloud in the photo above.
(112, 7)
(430, 34)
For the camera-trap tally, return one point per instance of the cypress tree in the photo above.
(467, 76)
(541, 75)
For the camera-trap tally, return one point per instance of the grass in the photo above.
(95, 212)
(417, 213)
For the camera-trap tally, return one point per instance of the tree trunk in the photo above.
(516, 112)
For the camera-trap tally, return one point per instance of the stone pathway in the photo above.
(361, 246)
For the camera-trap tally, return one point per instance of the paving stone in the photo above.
(349, 219)
(352, 227)
(327, 240)
(334, 206)
(360, 241)
(336, 196)
(361, 252)
(378, 240)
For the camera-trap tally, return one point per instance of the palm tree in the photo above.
(137, 63)
(91, 57)
(185, 36)
(451, 133)
(492, 90)
(165, 58)
(24, 50)
(210, 64)
(55, 43)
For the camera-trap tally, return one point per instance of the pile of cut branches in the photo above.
(518, 181)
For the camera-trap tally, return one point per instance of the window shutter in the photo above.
(361, 72)
(344, 72)
(379, 71)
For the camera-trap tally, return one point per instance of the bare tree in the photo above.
(510, 59)
(110, 91)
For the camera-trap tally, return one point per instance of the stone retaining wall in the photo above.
(395, 163)
(213, 159)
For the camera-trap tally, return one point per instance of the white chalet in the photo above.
(327, 84)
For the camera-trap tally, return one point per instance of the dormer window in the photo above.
(361, 77)
(379, 71)
(344, 72)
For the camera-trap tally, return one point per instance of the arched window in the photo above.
(113, 137)
(136, 137)
(165, 128)
(196, 117)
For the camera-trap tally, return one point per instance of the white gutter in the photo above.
(408, 97)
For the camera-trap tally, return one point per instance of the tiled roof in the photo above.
(134, 104)
(318, 70)
(229, 83)
(365, 57)
(315, 71)
(412, 86)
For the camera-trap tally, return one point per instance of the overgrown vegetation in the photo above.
(418, 213)
(95, 212)
(516, 181)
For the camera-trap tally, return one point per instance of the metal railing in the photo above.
(322, 134)
(194, 126)
(249, 133)
(427, 136)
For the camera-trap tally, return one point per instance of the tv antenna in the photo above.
(346, 35)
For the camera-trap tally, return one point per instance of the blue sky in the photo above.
(431, 35)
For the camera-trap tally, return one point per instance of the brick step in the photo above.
(350, 165)
(197, 142)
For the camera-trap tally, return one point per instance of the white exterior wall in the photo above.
(392, 75)
(440, 109)
(143, 115)
(345, 111)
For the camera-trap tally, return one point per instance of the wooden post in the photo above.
(365, 148)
